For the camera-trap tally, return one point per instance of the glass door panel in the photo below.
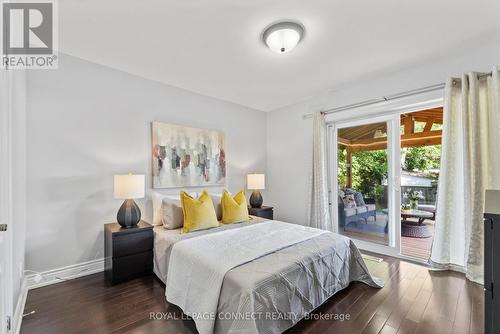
(421, 133)
(363, 189)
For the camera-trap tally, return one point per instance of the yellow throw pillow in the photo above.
(199, 214)
(234, 209)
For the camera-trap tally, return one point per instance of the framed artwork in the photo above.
(187, 157)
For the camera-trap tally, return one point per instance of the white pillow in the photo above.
(158, 205)
(349, 201)
(172, 214)
(157, 199)
(217, 199)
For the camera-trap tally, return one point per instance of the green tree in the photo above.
(368, 170)
(421, 158)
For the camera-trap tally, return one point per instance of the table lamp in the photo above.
(129, 187)
(256, 182)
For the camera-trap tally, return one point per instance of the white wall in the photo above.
(289, 137)
(87, 122)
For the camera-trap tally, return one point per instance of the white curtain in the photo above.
(319, 210)
(470, 164)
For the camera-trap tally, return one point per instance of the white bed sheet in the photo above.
(163, 239)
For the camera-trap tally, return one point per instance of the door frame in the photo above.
(6, 293)
(393, 161)
(385, 111)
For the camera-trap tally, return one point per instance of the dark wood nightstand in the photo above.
(263, 212)
(128, 251)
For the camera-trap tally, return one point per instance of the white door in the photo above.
(6, 301)
(365, 158)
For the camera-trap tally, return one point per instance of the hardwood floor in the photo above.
(414, 300)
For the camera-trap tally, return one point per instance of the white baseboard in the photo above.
(51, 277)
(21, 302)
(66, 273)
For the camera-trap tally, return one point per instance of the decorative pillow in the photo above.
(199, 214)
(172, 215)
(349, 201)
(157, 199)
(358, 197)
(234, 209)
(217, 199)
(157, 210)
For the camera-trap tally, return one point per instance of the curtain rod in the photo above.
(389, 97)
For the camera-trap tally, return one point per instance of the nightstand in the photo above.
(128, 251)
(263, 212)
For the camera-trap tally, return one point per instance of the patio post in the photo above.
(349, 167)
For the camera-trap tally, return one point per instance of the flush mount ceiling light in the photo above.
(283, 36)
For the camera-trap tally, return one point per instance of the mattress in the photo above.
(272, 293)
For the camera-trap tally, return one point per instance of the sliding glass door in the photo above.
(365, 172)
(421, 133)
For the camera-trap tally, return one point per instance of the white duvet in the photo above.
(198, 265)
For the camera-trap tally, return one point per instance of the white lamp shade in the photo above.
(256, 181)
(129, 186)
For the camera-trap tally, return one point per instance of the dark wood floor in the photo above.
(414, 300)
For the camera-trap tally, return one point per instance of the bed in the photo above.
(259, 276)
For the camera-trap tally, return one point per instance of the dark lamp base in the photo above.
(256, 199)
(129, 214)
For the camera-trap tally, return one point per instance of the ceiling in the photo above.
(214, 47)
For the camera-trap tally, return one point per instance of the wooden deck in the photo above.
(419, 248)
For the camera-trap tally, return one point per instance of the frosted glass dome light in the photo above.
(283, 37)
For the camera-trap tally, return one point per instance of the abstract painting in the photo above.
(187, 157)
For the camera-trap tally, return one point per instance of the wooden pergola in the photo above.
(373, 137)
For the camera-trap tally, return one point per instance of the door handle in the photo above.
(3, 227)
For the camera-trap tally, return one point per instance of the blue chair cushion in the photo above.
(370, 207)
(360, 209)
(350, 212)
